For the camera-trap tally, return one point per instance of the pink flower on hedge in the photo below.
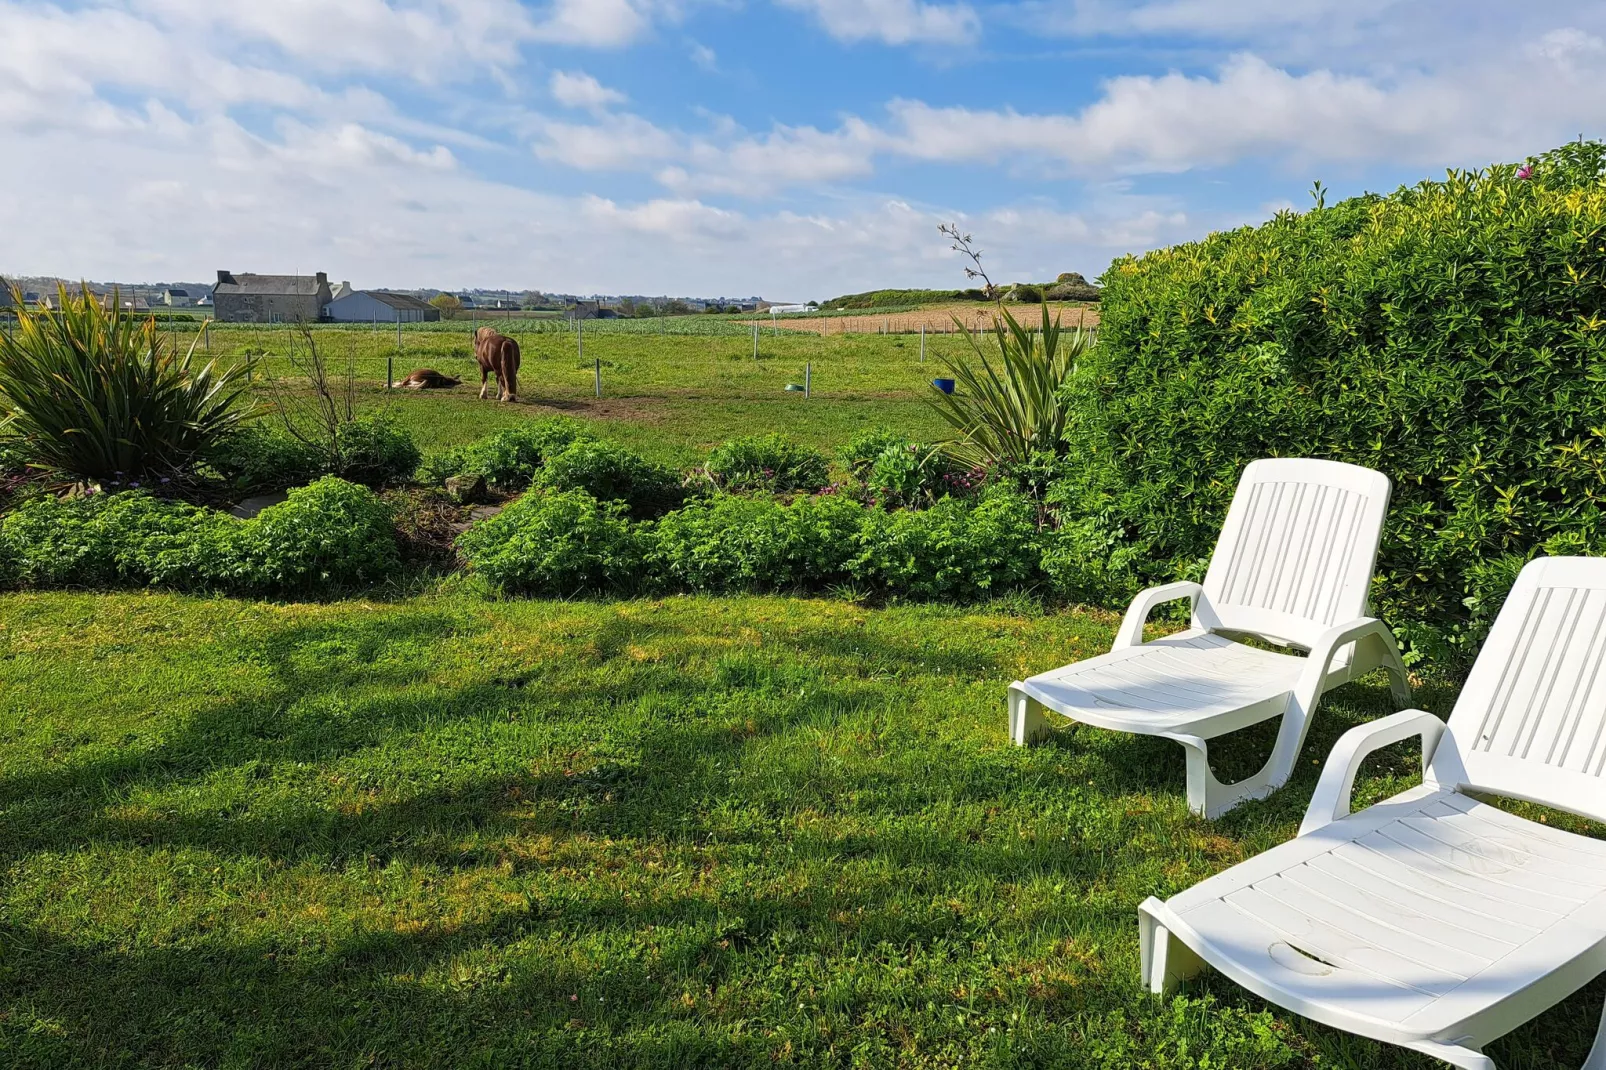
(1525, 172)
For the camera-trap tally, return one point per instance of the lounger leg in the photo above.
(1209, 797)
(1456, 1055)
(1028, 721)
(1597, 1053)
(1166, 961)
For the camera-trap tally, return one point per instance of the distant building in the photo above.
(204, 301)
(177, 299)
(337, 292)
(247, 298)
(590, 310)
(377, 306)
(127, 304)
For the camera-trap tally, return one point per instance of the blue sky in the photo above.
(791, 148)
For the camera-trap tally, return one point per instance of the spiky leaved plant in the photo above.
(97, 393)
(1005, 412)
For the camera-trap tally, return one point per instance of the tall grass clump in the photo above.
(101, 394)
(1451, 334)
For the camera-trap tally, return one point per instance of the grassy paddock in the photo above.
(450, 832)
(672, 396)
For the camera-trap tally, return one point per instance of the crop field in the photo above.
(671, 395)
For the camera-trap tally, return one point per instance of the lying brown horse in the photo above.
(499, 355)
(428, 379)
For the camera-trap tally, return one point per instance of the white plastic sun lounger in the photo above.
(1293, 567)
(1432, 920)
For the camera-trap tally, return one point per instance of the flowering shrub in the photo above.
(767, 462)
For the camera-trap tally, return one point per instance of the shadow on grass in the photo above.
(795, 767)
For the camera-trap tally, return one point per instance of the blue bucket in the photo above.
(945, 385)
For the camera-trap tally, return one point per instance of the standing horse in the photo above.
(499, 355)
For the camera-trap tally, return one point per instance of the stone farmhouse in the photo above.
(246, 298)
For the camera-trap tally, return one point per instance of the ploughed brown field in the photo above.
(938, 319)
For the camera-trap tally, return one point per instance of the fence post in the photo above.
(922, 343)
(580, 337)
(808, 381)
(598, 369)
(390, 372)
(755, 339)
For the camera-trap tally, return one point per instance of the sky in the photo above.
(793, 149)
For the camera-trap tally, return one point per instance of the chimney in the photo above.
(323, 279)
(224, 277)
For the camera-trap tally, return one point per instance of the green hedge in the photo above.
(330, 535)
(1451, 334)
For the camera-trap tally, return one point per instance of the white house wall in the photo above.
(358, 307)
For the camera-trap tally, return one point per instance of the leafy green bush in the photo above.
(1451, 335)
(731, 543)
(612, 473)
(51, 542)
(510, 458)
(952, 550)
(328, 534)
(374, 449)
(98, 393)
(166, 543)
(862, 451)
(767, 462)
(260, 456)
(556, 543)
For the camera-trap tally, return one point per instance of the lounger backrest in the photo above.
(1531, 720)
(1297, 551)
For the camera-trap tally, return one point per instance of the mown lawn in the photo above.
(450, 832)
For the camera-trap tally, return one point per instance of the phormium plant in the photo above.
(99, 393)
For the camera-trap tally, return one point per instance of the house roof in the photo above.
(400, 302)
(275, 285)
(179, 293)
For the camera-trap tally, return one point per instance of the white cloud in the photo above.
(427, 41)
(704, 56)
(580, 90)
(1253, 110)
(623, 143)
(597, 23)
(895, 22)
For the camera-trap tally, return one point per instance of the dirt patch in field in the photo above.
(937, 319)
(634, 410)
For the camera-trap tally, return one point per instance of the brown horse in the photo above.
(428, 379)
(497, 354)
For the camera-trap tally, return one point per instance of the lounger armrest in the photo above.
(1137, 614)
(1332, 799)
(1334, 639)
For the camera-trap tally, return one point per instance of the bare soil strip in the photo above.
(937, 319)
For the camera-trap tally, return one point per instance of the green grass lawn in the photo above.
(673, 397)
(446, 831)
